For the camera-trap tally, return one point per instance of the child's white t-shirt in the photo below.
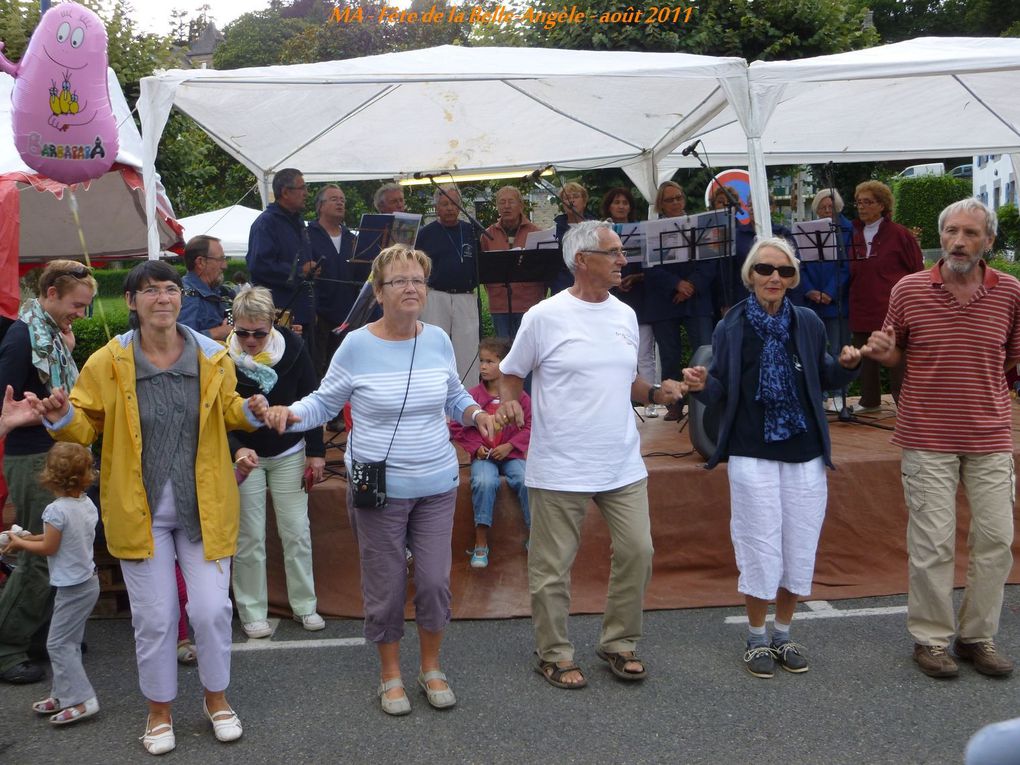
(76, 519)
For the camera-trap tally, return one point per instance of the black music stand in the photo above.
(509, 267)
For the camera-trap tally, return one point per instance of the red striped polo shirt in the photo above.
(954, 396)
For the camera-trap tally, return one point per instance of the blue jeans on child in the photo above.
(485, 483)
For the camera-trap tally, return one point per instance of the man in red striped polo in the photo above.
(957, 326)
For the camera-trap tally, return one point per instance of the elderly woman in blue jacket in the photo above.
(769, 368)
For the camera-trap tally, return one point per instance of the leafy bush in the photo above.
(918, 202)
(90, 334)
(1009, 228)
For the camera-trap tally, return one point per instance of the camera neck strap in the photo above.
(403, 404)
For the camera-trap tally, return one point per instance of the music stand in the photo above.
(508, 267)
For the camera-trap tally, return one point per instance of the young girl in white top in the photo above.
(68, 535)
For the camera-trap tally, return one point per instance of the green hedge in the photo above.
(1009, 228)
(918, 202)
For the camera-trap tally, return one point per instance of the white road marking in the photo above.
(264, 644)
(822, 609)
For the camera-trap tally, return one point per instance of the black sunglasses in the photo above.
(766, 269)
(258, 334)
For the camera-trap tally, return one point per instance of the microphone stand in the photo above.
(479, 230)
(845, 415)
(732, 204)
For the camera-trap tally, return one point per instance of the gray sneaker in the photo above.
(760, 660)
(791, 656)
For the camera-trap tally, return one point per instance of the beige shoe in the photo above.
(397, 707)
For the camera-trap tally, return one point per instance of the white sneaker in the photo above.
(257, 629)
(311, 622)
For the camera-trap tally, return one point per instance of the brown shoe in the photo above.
(987, 659)
(934, 661)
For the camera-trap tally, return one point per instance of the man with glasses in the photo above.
(581, 346)
(280, 255)
(389, 198)
(955, 328)
(206, 300)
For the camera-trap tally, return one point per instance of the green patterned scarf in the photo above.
(50, 354)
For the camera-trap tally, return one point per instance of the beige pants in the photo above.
(930, 480)
(457, 316)
(556, 518)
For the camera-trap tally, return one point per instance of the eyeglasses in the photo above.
(401, 283)
(613, 253)
(153, 292)
(258, 334)
(210, 257)
(865, 202)
(672, 200)
(767, 269)
(302, 187)
(78, 272)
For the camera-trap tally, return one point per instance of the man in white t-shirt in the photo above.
(581, 346)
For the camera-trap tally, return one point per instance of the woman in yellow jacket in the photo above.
(163, 398)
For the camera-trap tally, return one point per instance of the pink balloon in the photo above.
(64, 127)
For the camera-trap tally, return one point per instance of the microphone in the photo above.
(690, 149)
(421, 175)
(534, 176)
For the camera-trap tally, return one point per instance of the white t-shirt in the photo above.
(583, 356)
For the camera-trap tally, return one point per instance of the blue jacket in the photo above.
(821, 372)
(203, 307)
(825, 275)
(278, 247)
(333, 300)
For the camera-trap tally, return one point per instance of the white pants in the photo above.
(777, 509)
(155, 612)
(457, 316)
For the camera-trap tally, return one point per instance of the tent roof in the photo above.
(929, 97)
(452, 107)
(231, 225)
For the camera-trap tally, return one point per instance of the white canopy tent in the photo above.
(449, 108)
(230, 225)
(929, 97)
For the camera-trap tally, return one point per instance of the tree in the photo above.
(257, 39)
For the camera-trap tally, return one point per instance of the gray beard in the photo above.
(961, 268)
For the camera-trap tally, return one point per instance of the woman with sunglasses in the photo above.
(162, 396)
(769, 368)
(272, 361)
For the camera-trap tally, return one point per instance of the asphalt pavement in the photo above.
(310, 698)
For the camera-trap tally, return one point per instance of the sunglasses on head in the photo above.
(766, 269)
(258, 334)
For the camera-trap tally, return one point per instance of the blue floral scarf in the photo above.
(777, 390)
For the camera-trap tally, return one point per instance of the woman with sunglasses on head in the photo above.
(162, 396)
(769, 368)
(272, 361)
(35, 357)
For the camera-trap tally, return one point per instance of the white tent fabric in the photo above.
(230, 225)
(929, 97)
(449, 108)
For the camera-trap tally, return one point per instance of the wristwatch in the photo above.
(651, 393)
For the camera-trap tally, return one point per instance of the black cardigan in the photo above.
(296, 379)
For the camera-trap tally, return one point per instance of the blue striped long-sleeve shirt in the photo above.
(372, 374)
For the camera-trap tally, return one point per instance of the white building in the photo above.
(995, 180)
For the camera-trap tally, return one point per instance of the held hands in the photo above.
(258, 406)
(684, 291)
(671, 392)
(245, 460)
(850, 357)
(509, 412)
(53, 407)
(16, 414)
(881, 345)
(695, 377)
(279, 417)
(485, 425)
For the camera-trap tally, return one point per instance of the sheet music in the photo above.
(633, 237)
(666, 241)
(541, 240)
(816, 240)
(712, 236)
(380, 230)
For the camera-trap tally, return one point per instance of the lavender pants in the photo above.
(424, 524)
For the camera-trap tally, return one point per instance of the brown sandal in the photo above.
(553, 674)
(618, 664)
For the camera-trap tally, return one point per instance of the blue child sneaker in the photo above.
(480, 557)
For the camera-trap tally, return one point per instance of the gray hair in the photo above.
(255, 304)
(968, 205)
(821, 196)
(516, 192)
(582, 236)
(322, 195)
(283, 180)
(381, 191)
(776, 243)
(449, 188)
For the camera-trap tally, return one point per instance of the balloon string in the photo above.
(72, 201)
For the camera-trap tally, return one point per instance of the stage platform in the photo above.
(862, 550)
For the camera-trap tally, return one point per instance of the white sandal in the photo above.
(72, 714)
(159, 740)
